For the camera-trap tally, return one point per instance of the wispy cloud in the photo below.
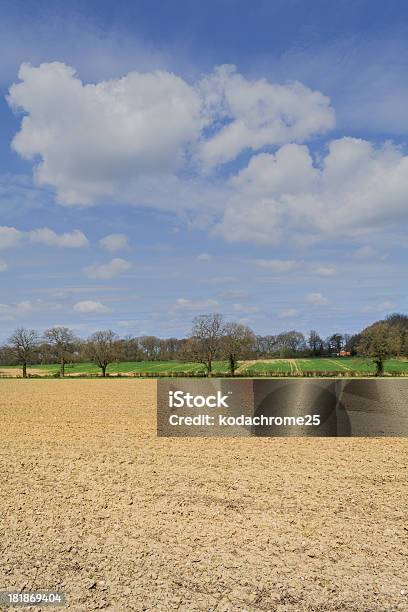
(10, 237)
(234, 294)
(385, 306)
(245, 308)
(24, 308)
(10, 312)
(114, 242)
(277, 265)
(204, 257)
(364, 252)
(109, 270)
(316, 299)
(325, 271)
(48, 237)
(187, 304)
(288, 313)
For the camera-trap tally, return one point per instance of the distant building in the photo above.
(344, 354)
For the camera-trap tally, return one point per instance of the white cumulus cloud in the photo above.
(90, 307)
(116, 137)
(109, 270)
(48, 237)
(10, 237)
(259, 113)
(151, 138)
(317, 299)
(356, 188)
(107, 133)
(114, 242)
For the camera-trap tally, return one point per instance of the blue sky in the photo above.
(159, 160)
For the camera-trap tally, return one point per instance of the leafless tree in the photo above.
(62, 341)
(129, 349)
(205, 342)
(102, 348)
(169, 348)
(150, 346)
(265, 346)
(290, 343)
(315, 344)
(238, 340)
(23, 343)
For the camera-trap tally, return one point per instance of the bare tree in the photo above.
(169, 348)
(290, 343)
(23, 343)
(129, 349)
(380, 341)
(265, 346)
(238, 341)
(102, 348)
(205, 342)
(315, 343)
(62, 341)
(150, 346)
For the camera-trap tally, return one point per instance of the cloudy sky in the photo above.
(164, 159)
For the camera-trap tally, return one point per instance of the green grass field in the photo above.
(325, 364)
(296, 367)
(123, 367)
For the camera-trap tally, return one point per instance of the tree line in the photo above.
(211, 339)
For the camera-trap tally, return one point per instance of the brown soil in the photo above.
(95, 505)
(17, 372)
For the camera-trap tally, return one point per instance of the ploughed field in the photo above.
(94, 504)
(334, 365)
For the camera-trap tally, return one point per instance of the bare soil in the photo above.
(17, 372)
(94, 504)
